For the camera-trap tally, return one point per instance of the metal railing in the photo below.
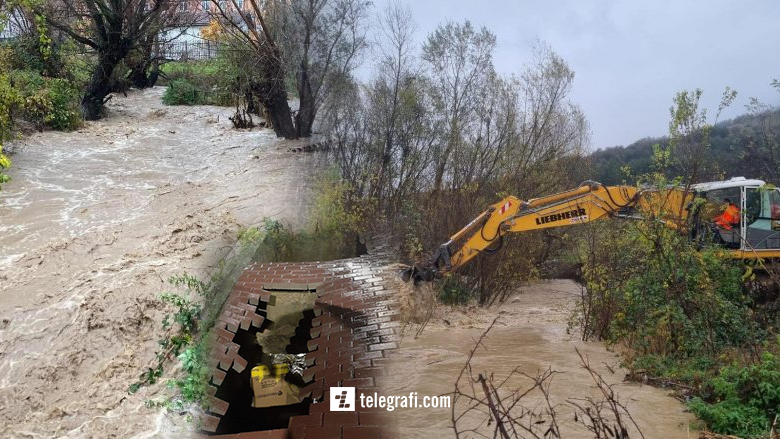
(188, 50)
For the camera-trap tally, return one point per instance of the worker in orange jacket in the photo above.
(729, 217)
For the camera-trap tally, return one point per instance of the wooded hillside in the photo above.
(744, 146)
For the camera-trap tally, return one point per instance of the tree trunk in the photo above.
(154, 74)
(281, 117)
(304, 119)
(277, 109)
(138, 77)
(99, 85)
(251, 107)
(439, 176)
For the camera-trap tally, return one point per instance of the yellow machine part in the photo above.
(589, 202)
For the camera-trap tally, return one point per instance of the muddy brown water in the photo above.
(531, 335)
(92, 224)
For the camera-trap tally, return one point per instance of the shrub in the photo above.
(9, 99)
(742, 400)
(182, 92)
(686, 318)
(214, 80)
(47, 102)
(25, 54)
(5, 163)
(77, 68)
(650, 288)
(452, 292)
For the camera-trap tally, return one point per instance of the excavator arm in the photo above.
(591, 201)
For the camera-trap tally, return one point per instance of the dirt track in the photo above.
(92, 225)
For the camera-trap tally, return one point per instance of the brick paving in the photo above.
(355, 330)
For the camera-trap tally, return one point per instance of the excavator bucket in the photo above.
(418, 274)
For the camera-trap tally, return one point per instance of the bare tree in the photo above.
(323, 39)
(252, 33)
(314, 42)
(394, 71)
(762, 144)
(549, 125)
(450, 124)
(460, 64)
(388, 159)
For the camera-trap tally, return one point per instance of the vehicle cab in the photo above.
(758, 227)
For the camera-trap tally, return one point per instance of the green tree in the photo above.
(112, 28)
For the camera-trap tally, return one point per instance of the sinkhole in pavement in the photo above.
(286, 329)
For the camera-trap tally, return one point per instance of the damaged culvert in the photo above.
(286, 330)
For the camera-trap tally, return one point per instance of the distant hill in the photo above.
(737, 145)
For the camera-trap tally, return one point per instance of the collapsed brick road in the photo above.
(355, 330)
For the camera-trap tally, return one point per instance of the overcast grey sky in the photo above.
(631, 57)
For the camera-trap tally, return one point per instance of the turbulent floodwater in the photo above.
(530, 335)
(92, 224)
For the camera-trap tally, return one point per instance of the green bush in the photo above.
(332, 233)
(47, 102)
(652, 289)
(452, 292)
(9, 101)
(77, 68)
(182, 92)
(214, 81)
(742, 400)
(25, 54)
(687, 318)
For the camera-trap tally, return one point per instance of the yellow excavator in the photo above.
(754, 234)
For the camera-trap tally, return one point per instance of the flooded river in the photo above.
(92, 224)
(530, 335)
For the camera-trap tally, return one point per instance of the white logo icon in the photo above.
(342, 399)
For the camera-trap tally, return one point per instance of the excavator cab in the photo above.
(757, 233)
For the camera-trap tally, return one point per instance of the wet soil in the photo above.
(91, 226)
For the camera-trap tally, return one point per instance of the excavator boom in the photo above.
(589, 202)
